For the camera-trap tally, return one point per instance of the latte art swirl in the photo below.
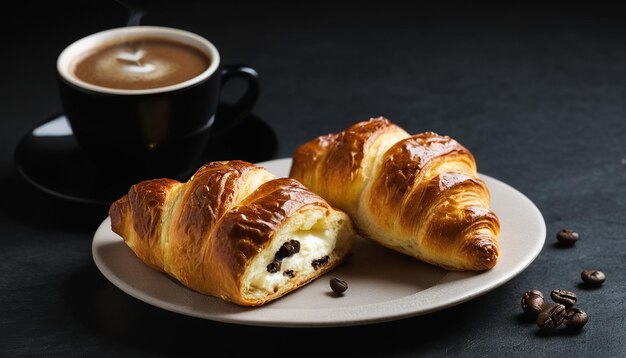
(134, 63)
(149, 63)
(139, 68)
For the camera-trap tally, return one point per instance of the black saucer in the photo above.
(50, 159)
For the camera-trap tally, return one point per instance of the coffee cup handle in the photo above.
(228, 117)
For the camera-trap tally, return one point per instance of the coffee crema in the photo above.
(140, 64)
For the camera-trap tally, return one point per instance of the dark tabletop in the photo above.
(537, 95)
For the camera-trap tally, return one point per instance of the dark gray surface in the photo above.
(536, 94)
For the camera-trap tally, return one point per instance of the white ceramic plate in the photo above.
(383, 285)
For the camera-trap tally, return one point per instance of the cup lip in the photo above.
(128, 33)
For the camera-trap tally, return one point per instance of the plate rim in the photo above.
(404, 306)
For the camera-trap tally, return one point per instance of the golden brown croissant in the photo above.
(419, 195)
(233, 231)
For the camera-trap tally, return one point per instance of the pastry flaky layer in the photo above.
(234, 231)
(417, 194)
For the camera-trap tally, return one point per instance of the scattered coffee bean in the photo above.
(567, 237)
(551, 317)
(575, 317)
(532, 302)
(593, 277)
(338, 286)
(566, 298)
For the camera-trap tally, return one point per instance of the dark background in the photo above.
(535, 92)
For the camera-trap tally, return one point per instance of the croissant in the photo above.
(233, 231)
(416, 194)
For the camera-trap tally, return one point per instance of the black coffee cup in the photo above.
(137, 134)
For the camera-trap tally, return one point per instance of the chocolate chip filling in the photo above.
(273, 267)
(289, 273)
(320, 262)
(287, 249)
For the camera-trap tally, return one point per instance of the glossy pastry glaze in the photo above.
(229, 217)
(419, 195)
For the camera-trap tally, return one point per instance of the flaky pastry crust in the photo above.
(416, 194)
(219, 231)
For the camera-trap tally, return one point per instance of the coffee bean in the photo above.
(567, 237)
(566, 298)
(575, 317)
(551, 317)
(593, 277)
(338, 286)
(532, 302)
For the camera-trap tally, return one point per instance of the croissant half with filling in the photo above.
(416, 194)
(233, 231)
